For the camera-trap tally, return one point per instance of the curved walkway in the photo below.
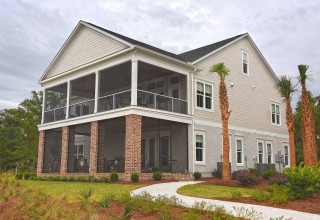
(170, 190)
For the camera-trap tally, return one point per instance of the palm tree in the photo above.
(222, 71)
(308, 128)
(286, 89)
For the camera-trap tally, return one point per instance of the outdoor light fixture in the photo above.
(231, 84)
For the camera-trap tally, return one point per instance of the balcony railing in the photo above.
(162, 102)
(55, 115)
(114, 101)
(81, 108)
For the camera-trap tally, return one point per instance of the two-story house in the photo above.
(112, 103)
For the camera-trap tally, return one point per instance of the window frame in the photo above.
(203, 134)
(275, 106)
(204, 96)
(236, 149)
(263, 153)
(244, 52)
(284, 154)
(267, 153)
(77, 145)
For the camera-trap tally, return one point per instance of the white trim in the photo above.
(263, 154)
(147, 112)
(242, 155)
(204, 96)
(241, 129)
(275, 113)
(193, 147)
(267, 154)
(245, 52)
(203, 134)
(43, 105)
(134, 79)
(97, 91)
(68, 99)
(289, 155)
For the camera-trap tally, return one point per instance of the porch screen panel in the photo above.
(55, 103)
(52, 151)
(179, 145)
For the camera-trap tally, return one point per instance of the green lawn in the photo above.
(213, 191)
(70, 190)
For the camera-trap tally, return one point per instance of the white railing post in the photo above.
(43, 105)
(134, 79)
(113, 101)
(172, 104)
(97, 91)
(68, 98)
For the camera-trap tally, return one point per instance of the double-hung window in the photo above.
(239, 147)
(204, 95)
(269, 153)
(286, 155)
(245, 63)
(260, 152)
(78, 151)
(200, 148)
(275, 114)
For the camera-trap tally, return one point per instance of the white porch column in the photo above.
(97, 91)
(68, 98)
(134, 80)
(43, 105)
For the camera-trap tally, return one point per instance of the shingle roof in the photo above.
(188, 56)
(196, 54)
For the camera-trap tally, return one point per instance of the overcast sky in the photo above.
(32, 32)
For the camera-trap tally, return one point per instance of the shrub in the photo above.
(71, 179)
(268, 173)
(280, 194)
(260, 195)
(19, 176)
(303, 181)
(157, 176)
(236, 194)
(217, 173)
(104, 179)
(134, 177)
(105, 202)
(197, 175)
(254, 171)
(278, 178)
(33, 177)
(56, 178)
(63, 178)
(84, 196)
(26, 176)
(114, 177)
(246, 178)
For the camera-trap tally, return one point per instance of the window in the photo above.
(199, 148)
(78, 151)
(286, 155)
(245, 63)
(275, 114)
(239, 147)
(204, 95)
(260, 152)
(269, 152)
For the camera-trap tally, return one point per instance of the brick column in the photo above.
(64, 150)
(133, 145)
(94, 147)
(40, 152)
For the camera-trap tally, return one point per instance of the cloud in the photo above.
(31, 33)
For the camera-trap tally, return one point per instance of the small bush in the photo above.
(197, 175)
(260, 195)
(134, 177)
(246, 178)
(19, 176)
(280, 194)
(84, 196)
(26, 176)
(236, 195)
(71, 179)
(82, 179)
(157, 176)
(105, 202)
(63, 178)
(268, 173)
(114, 177)
(217, 173)
(56, 178)
(190, 215)
(104, 179)
(91, 179)
(278, 178)
(254, 171)
(33, 177)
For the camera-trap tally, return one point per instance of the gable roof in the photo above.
(200, 52)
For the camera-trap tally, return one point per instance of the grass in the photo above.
(213, 191)
(70, 190)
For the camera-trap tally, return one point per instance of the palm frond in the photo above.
(303, 69)
(220, 69)
(285, 87)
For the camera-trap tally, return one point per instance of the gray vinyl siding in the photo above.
(87, 45)
(250, 96)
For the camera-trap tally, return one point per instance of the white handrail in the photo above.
(82, 102)
(114, 94)
(162, 95)
(55, 109)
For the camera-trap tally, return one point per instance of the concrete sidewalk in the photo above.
(170, 189)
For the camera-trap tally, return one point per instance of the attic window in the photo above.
(245, 63)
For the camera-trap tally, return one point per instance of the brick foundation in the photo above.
(64, 150)
(94, 140)
(40, 152)
(133, 145)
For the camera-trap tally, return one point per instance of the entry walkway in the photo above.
(170, 189)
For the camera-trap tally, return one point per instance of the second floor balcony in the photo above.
(133, 83)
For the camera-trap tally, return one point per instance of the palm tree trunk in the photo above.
(224, 107)
(309, 146)
(290, 125)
